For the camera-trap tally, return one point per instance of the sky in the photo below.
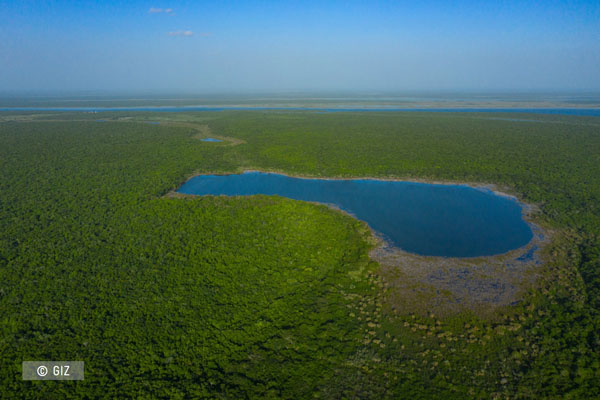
(324, 45)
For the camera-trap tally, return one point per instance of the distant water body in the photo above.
(557, 111)
(426, 219)
(210, 140)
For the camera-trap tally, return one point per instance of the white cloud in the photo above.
(154, 10)
(181, 33)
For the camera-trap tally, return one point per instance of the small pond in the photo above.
(209, 139)
(421, 218)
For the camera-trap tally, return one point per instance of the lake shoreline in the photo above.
(495, 280)
(528, 210)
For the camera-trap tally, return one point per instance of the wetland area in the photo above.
(442, 247)
(284, 287)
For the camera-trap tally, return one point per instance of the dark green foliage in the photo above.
(555, 162)
(231, 296)
(260, 297)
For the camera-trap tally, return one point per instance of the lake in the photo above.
(421, 218)
(591, 112)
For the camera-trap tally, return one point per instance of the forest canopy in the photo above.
(167, 296)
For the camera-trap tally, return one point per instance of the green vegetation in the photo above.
(264, 297)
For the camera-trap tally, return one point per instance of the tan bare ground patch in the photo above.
(447, 285)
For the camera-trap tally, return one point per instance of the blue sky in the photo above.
(241, 46)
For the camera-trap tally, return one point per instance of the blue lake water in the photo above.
(426, 219)
(557, 111)
(209, 139)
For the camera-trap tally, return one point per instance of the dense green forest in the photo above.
(167, 296)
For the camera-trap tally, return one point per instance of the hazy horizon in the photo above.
(247, 47)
